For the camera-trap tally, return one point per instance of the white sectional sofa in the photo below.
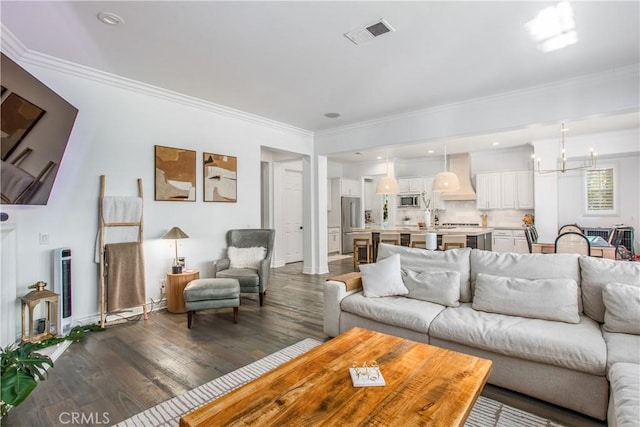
(541, 319)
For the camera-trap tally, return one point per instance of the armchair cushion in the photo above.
(246, 257)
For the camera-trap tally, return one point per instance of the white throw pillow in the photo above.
(622, 303)
(440, 287)
(246, 257)
(547, 299)
(383, 278)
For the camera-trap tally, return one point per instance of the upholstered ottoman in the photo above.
(203, 294)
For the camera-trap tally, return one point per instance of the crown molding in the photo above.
(17, 51)
(11, 46)
(621, 72)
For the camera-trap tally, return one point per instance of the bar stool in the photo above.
(362, 242)
(418, 240)
(390, 238)
(453, 242)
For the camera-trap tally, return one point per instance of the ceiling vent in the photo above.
(369, 32)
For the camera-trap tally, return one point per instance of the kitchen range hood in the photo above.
(460, 164)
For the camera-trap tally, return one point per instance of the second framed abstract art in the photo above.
(219, 175)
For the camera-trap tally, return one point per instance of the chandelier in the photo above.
(591, 164)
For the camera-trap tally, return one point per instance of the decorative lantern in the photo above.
(29, 302)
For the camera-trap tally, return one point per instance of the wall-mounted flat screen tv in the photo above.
(35, 129)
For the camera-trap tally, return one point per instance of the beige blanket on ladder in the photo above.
(124, 275)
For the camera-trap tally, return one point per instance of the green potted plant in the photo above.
(21, 368)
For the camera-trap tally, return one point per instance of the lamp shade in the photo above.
(446, 181)
(387, 185)
(175, 233)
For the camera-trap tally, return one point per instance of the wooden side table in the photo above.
(175, 288)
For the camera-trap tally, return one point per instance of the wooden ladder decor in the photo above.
(101, 235)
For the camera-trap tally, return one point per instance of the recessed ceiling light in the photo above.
(332, 115)
(495, 143)
(110, 18)
(430, 152)
(379, 158)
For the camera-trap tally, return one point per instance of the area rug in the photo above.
(485, 413)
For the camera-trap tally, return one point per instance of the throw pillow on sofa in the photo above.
(246, 257)
(596, 273)
(547, 299)
(440, 287)
(622, 314)
(383, 278)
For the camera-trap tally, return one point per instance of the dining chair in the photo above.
(570, 227)
(529, 235)
(572, 243)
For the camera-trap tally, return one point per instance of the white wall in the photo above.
(118, 124)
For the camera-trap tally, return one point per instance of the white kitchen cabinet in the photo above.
(525, 190)
(413, 185)
(520, 242)
(334, 240)
(488, 190)
(510, 241)
(350, 187)
(517, 190)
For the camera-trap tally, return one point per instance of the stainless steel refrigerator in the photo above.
(350, 220)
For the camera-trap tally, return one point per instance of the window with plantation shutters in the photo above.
(600, 194)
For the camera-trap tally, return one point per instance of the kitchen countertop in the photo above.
(465, 231)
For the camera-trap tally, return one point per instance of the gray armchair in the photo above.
(251, 280)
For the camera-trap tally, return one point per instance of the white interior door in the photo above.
(293, 215)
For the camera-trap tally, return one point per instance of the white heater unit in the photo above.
(62, 286)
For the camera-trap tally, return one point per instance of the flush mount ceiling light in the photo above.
(110, 18)
(563, 158)
(553, 27)
(332, 115)
(369, 32)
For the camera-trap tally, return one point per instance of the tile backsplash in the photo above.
(467, 213)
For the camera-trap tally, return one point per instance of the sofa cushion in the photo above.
(397, 311)
(625, 394)
(622, 348)
(524, 266)
(383, 278)
(578, 346)
(622, 308)
(549, 299)
(440, 287)
(598, 272)
(416, 259)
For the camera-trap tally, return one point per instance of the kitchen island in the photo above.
(477, 237)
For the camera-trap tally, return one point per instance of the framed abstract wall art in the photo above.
(19, 116)
(220, 174)
(175, 174)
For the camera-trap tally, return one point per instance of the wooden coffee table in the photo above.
(425, 385)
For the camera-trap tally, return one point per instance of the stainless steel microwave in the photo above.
(409, 201)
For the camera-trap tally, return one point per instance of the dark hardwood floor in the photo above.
(132, 366)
